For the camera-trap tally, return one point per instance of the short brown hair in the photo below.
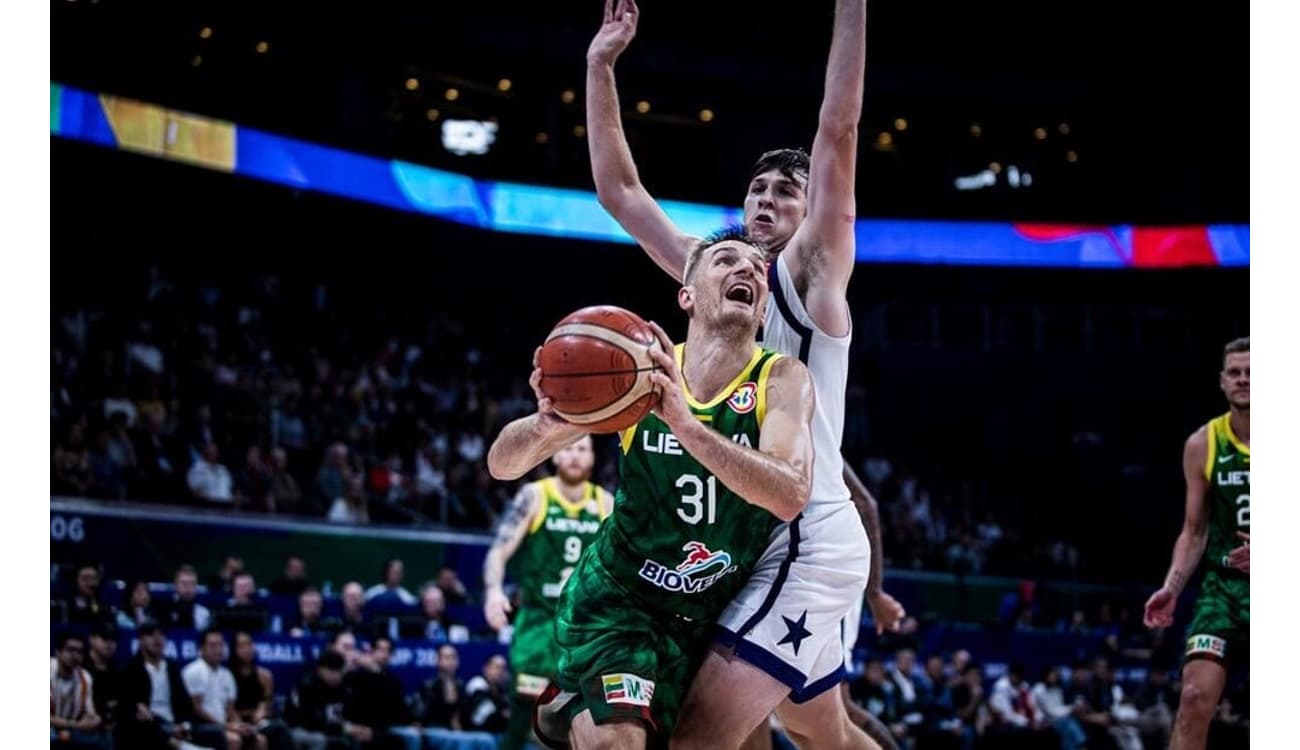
(1236, 346)
(735, 234)
(791, 162)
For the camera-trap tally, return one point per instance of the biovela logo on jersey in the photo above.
(700, 570)
(744, 399)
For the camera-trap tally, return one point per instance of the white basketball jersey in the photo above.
(790, 330)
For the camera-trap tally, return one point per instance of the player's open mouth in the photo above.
(764, 220)
(740, 292)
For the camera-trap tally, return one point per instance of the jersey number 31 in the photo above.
(693, 495)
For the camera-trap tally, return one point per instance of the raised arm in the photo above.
(777, 476)
(1191, 540)
(618, 186)
(823, 246)
(511, 531)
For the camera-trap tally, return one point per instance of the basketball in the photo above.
(596, 368)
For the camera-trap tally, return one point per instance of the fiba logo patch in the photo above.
(744, 399)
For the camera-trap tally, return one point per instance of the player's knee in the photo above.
(830, 734)
(1195, 701)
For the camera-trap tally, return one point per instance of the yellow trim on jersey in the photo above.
(762, 387)
(571, 509)
(1225, 424)
(540, 518)
(1212, 442)
(723, 394)
(605, 508)
(625, 439)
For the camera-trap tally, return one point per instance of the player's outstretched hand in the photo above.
(495, 608)
(1160, 609)
(1239, 557)
(887, 613)
(672, 407)
(615, 33)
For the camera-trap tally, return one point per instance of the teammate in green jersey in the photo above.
(541, 536)
(1216, 465)
(703, 481)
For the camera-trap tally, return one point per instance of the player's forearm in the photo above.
(525, 443)
(494, 570)
(780, 487)
(1187, 555)
(845, 67)
(612, 167)
(870, 513)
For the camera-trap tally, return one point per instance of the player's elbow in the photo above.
(499, 468)
(838, 123)
(614, 196)
(797, 500)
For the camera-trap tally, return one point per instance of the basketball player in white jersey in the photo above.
(779, 645)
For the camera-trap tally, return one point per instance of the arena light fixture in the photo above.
(464, 137)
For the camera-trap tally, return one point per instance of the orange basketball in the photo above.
(596, 368)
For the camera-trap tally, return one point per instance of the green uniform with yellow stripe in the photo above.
(1221, 624)
(636, 619)
(557, 534)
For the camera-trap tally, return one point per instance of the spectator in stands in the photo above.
(314, 711)
(1157, 701)
(223, 581)
(1095, 719)
(242, 611)
(336, 468)
(155, 458)
(957, 668)
(254, 689)
(374, 694)
(354, 615)
(286, 495)
(209, 481)
(391, 587)
(156, 708)
(443, 696)
(294, 581)
(253, 481)
(907, 698)
(183, 610)
(309, 620)
(135, 605)
(105, 674)
(968, 699)
(120, 450)
(202, 432)
(453, 590)
(211, 687)
(874, 692)
(72, 463)
(1049, 698)
(84, 608)
(350, 507)
(433, 610)
(1106, 695)
(487, 698)
(1014, 714)
(73, 719)
(941, 727)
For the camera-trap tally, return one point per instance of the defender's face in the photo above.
(729, 287)
(1235, 379)
(775, 205)
(574, 463)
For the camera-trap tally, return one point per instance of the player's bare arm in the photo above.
(1191, 540)
(510, 533)
(618, 186)
(530, 440)
(821, 253)
(885, 609)
(777, 476)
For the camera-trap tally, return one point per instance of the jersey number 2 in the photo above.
(1243, 514)
(693, 495)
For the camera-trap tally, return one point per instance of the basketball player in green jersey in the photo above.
(704, 480)
(541, 536)
(1216, 465)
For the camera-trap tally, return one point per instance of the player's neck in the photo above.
(1239, 419)
(711, 362)
(571, 492)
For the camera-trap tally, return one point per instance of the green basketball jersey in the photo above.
(1227, 468)
(680, 541)
(559, 532)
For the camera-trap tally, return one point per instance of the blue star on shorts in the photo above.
(796, 632)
